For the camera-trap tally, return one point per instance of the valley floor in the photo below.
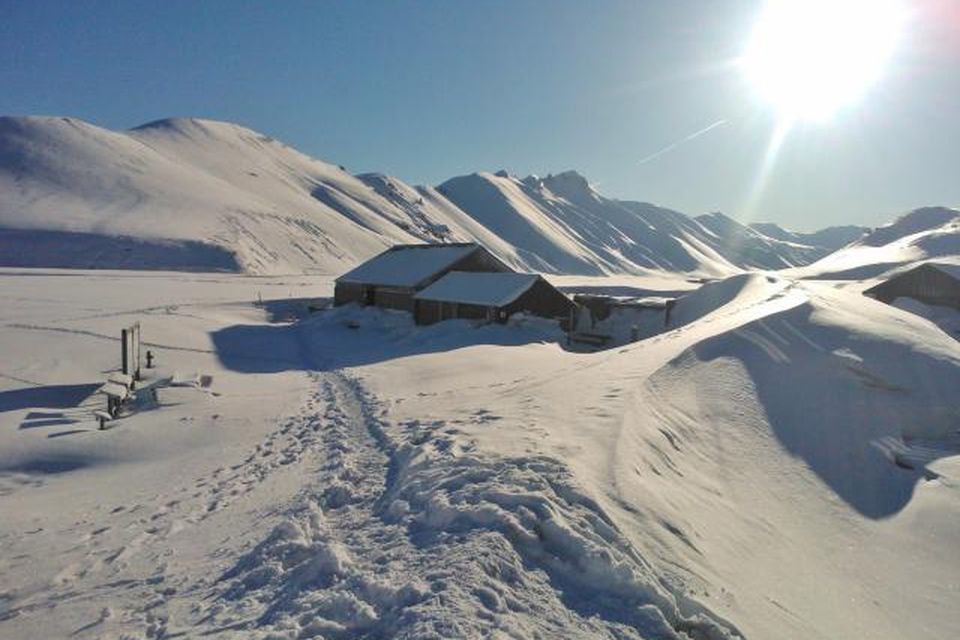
(781, 463)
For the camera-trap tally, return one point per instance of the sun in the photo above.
(809, 58)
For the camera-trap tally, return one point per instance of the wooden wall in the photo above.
(925, 283)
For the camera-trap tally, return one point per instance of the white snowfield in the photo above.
(200, 195)
(781, 463)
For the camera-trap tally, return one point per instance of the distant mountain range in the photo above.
(205, 195)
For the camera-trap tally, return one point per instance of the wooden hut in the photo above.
(930, 283)
(490, 296)
(391, 278)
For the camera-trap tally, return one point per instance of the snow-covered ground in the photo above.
(781, 463)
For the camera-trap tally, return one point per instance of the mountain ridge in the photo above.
(184, 183)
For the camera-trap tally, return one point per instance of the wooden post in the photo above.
(124, 352)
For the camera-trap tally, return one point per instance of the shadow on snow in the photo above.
(838, 400)
(353, 337)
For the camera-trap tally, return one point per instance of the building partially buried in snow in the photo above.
(450, 281)
(930, 283)
(491, 296)
(392, 278)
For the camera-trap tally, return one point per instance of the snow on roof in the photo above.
(408, 265)
(485, 289)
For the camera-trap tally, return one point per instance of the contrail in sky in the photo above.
(673, 145)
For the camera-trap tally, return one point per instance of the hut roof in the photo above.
(484, 289)
(948, 268)
(407, 265)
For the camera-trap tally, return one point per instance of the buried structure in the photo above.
(391, 279)
(450, 281)
(491, 296)
(930, 283)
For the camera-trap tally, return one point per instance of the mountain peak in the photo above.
(570, 185)
(569, 177)
(197, 127)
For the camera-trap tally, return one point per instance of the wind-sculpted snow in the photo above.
(798, 449)
(868, 389)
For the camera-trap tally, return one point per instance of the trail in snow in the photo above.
(333, 566)
(428, 539)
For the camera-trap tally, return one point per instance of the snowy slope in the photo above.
(753, 249)
(206, 195)
(217, 193)
(922, 234)
(185, 180)
(575, 229)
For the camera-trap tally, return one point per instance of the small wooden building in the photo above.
(391, 279)
(930, 283)
(491, 296)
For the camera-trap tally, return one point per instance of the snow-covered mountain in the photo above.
(922, 234)
(831, 238)
(206, 195)
(565, 221)
(197, 193)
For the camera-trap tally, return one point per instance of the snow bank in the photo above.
(795, 460)
(745, 290)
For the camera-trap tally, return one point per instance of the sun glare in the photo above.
(810, 57)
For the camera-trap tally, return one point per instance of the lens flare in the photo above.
(811, 57)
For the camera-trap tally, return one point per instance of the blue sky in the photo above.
(429, 90)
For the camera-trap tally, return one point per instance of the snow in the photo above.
(485, 289)
(930, 233)
(830, 238)
(947, 318)
(753, 248)
(187, 193)
(780, 461)
(407, 266)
